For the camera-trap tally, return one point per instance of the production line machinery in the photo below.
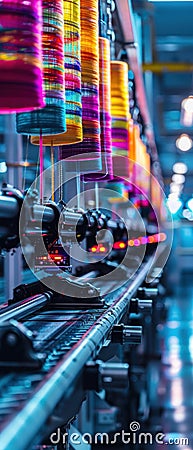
(56, 333)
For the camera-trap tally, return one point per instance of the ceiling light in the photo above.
(173, 195)
(176, 187)
(184, 143)
(187, 213)
(187, 104)
(190, 204)
(186, 117)
(178, 178)
(180, 168)
(174, 204)
(3, 167)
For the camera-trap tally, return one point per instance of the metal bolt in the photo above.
(12, 339)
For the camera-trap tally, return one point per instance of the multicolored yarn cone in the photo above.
(51, 119)
(105, 114)
(87, 153)
(20, 56)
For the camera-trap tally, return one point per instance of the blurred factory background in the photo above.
(166, 37)
(167, 63)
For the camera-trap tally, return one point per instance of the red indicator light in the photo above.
(93, 249)
(102, 249)
(119, 245)
(56, 258)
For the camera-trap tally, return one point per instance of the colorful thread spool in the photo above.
(120, 117)
(139, 164)
(156, 197)
(51, 119)
(132, 153)
(20, 56)
(119, 107)
(87, 153)
(72, 64)
(105, 114)
(144, 161)
(134, 168)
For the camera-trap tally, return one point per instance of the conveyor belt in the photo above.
(29, 399)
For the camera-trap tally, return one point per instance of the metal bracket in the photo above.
(16, 347)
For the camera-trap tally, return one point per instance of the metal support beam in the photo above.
(147, 33)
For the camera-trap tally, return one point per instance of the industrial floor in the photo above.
(171, 416)
(175, 386)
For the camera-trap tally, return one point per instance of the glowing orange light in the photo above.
(151, 239)
(119, 245)
(93, 249)
(56, 258)
(122, 245)
(131, 243)
(102, 249)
